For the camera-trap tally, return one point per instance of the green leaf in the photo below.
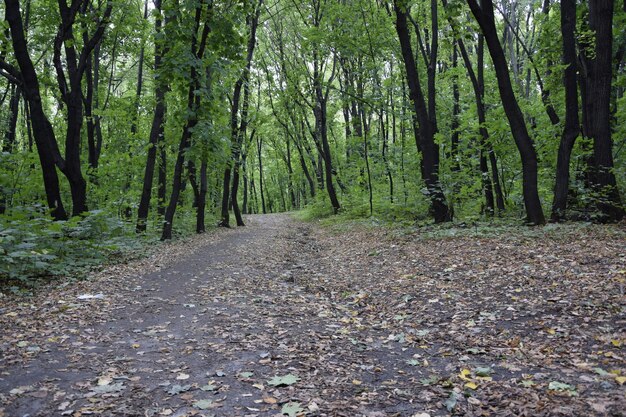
(285, 380)
(292, 409)
(203, 404)
(601, 371)
(433, 379)
(451, 401)
(483, 371)
(177, 389)
(562, 387)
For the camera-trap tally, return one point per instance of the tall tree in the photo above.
(157, 130)
(572, 123)
(485, 17)
(596, 57)
(228, 196)
(426, 116)
(45, 139)
(69, 78)
(197, 48)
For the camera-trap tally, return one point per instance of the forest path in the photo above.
(354, 322)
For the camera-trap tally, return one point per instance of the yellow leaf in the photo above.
(620, 379)
(464, 373)
(357, 382)
(616, 343)
(551, 331)
(471, 385)
(135, 345)
(484, 378)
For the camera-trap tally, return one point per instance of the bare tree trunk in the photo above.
(227, 194)
(424, 135)
(193, 102)
(47, 147)
(156, 131)
(572, 123)
(259, 147)
(599, 69)
(484, 16)
(14, 107)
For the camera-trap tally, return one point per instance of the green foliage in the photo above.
(35, 249)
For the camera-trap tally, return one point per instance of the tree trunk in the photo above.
(201, 201)
(597, 110)
(156, 131)
(47, 148)
(424, 135)
(227, 194)
(321, 128)
(193, 102)
(14, 106)
(572, 123)
(259, 142)
(485, 18)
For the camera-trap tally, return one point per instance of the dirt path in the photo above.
(281, 318)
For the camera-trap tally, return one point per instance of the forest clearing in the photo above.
(287, 318)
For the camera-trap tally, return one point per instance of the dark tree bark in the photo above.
(259, 143)
(598, 69)
(45, 140)
(227, 194)
(237, 150)
(424, 135)
(200, 224)
(156, 131)
(572, 123)
(90, 102)
(162, 178)
(292, 194)
(14, 106)
(456, 111)
(193, 102)
(69, 78)
(244, 167)
(485, 144)
(484, 16)
(321, 129)
(305, 169)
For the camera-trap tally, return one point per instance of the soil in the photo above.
(283, 317)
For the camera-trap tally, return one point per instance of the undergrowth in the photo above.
(36, 250)
(404, 224)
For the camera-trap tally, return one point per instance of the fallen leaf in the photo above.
(203, 404)
(292, 409)
(288, 379)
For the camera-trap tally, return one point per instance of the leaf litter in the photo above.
(287, 318)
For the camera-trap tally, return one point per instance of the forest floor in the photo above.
(283, 317)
